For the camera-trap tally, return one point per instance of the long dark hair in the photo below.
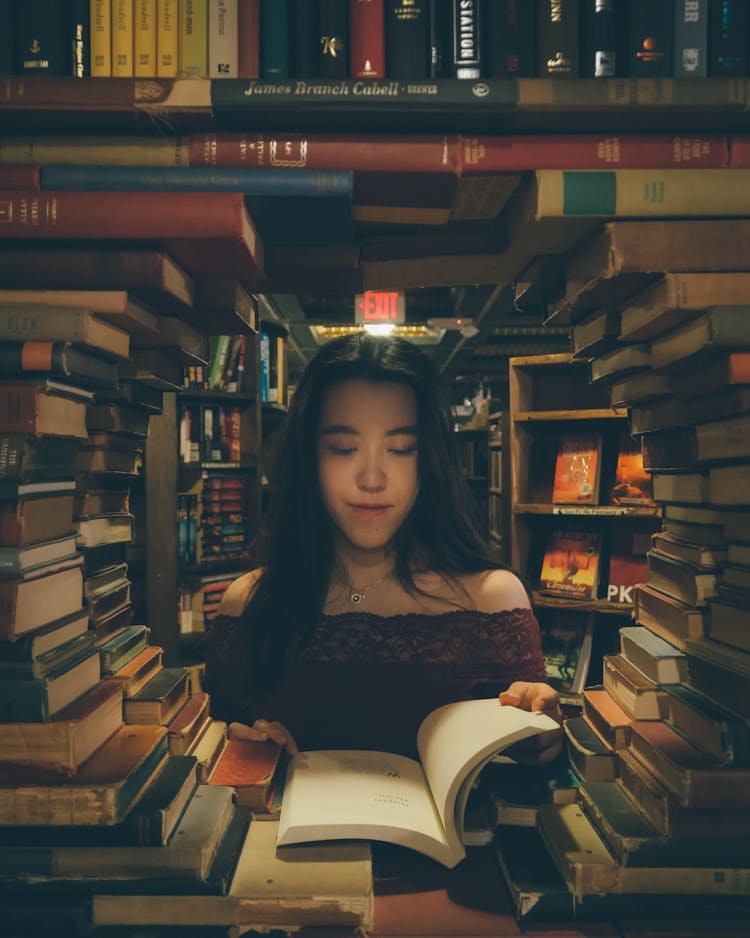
(441, 529)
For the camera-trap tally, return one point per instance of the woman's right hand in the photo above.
(263, 730)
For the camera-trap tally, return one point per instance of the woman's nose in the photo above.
(371, 476)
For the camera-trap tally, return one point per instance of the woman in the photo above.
(377, 602)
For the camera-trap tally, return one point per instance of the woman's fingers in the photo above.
(263, 730)
(538, 697)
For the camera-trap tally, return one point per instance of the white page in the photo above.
(455, 742)
(334, 794)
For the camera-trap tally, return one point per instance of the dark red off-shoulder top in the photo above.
(365, 681)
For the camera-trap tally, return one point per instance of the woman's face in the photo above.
(367, 459)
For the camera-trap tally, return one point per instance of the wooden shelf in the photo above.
(596, 511)
(537, 416)
(582, 605)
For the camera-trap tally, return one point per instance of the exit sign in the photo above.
(380, 306)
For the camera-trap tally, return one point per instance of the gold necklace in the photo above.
(356, 596)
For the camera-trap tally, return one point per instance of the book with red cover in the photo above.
(248, 38)
(577, 470)
(570, 566)
(627, 559)
(632, 485)
(366, 39)
(209, 233)
(251, 768)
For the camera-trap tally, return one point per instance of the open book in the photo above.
(336, 794)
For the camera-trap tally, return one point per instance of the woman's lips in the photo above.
(369, 511)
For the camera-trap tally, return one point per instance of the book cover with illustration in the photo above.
(566, 646)
(577, 470)
(632, 485)
(570, 566)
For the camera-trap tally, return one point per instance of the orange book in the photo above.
(571, 564)
(251, 768)
(632, 485)
(577, 469)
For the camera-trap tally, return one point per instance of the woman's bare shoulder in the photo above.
(496, 591)
(235, 598)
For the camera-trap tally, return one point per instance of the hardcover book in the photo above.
(30, 519)
(577, 470)
(251, 768)
(632, 485)
(566, 646)
(627, 559)
(102, 791)
(363, 790)
(570, 566)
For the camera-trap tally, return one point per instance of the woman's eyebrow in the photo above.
(335, 428)
(409, 430)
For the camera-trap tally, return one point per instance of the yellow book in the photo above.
(638, 193)
(144, 28)
(101, 38)
(193, 39)
(122, 38)
(167, 18)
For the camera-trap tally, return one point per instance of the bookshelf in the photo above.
(498, 491)
(552, 401)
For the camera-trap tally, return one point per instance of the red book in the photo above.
(248, 38)
(739, 152)
(209, 233)
(251, 768)
(366, 39)
(19, 176)
(627, 559)
(570, 566)
(593, 151)
(381, 153)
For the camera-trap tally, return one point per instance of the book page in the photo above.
(342, 794)
(457, 740)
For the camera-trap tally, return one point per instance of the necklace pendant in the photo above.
(356, 598)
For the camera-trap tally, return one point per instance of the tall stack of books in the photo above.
(663, 747)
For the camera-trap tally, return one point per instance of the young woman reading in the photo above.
(377, 602)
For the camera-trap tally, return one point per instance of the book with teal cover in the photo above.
(34, 700)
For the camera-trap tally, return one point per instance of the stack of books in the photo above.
(663, 746)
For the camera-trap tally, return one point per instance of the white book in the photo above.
(358, 794)
(223, 28)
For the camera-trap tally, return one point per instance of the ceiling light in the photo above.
(380, 328)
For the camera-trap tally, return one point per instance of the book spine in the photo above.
(144, 38)
(254, 182)
(223, 47)
(18, 358)
(7, 36)
(333, 38)
(690, 58)
(366, 39)
(20, 176)
(127, 215)
(429, 154)
(509, 36)
(274, 39)
(441, 22)
(167, 38)
(465, 55)
(650, 35)
(304, 55)
(248, 38)
(558, 46)
(589, 151)
(407, 35)
(69, 94)
(80, 38)
(600, 32)
(141, 151)
(633, 192)
(41, 38)
(101, 38)
(728, 37)
(24, 701)
(122, 38)
(193, 39)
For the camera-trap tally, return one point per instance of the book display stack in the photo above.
(662, 745)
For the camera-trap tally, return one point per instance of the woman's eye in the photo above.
(404, 452)
(342, 450)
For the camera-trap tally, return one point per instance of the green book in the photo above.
(33, 700)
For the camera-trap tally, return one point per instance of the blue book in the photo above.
(289, 206)
(37, 700)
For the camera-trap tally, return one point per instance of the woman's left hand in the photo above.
(539, 698)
